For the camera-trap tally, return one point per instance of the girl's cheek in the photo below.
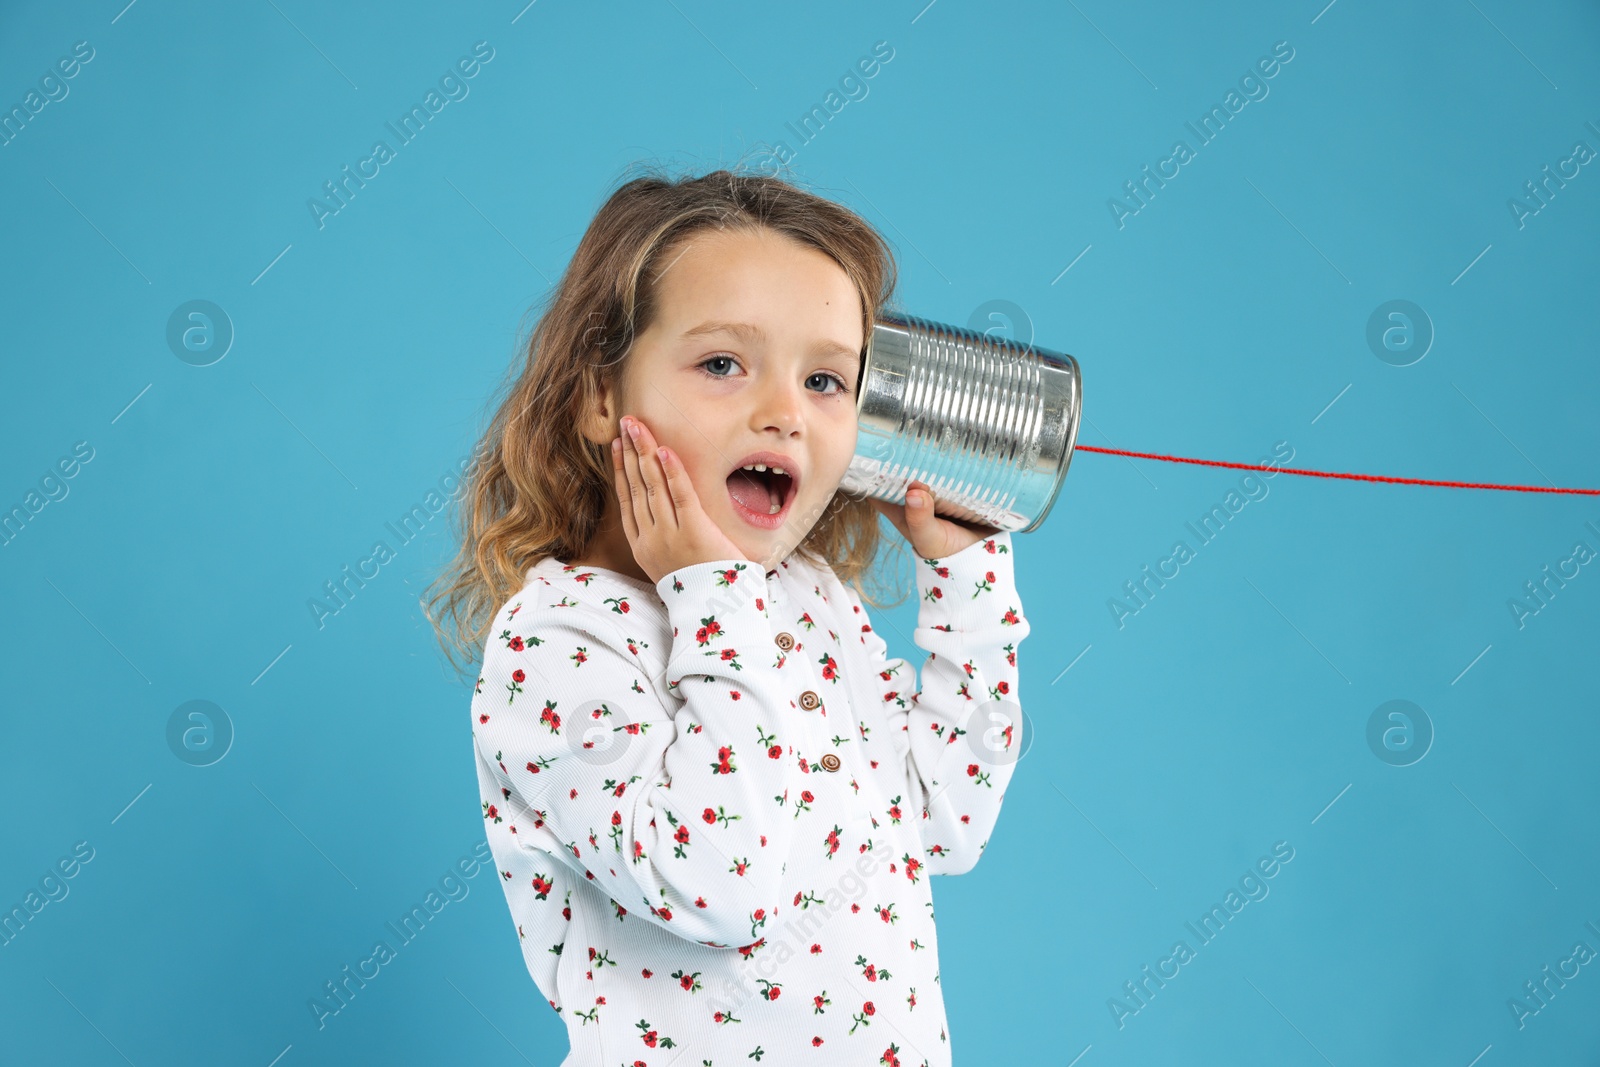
(707, 485)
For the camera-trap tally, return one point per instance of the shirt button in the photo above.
(809, 700)
(830, 762)
(785, 641)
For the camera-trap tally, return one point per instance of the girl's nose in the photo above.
(781, 407)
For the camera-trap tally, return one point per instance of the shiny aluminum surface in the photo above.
(987, 423)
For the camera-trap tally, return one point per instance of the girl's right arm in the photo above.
(682, 818)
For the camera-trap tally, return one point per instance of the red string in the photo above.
(1335, 474)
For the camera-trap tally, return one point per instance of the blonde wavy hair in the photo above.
(536, 487)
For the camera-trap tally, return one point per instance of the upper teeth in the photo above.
(762, 467)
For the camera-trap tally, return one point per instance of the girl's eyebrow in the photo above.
(750, 333)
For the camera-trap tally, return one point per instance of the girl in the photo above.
(715, 803)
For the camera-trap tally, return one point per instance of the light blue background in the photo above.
(1229, 714)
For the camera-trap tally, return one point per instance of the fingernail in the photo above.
(633, 430)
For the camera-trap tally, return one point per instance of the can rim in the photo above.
(905, 321)
(1074, 423)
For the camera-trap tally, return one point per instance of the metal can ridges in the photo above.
(987, 423)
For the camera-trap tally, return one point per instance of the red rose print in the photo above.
(555, 898)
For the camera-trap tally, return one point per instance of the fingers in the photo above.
(636, 487)
(919, 504)
(921, 525)
(652, 502)
(679, 489)
(655, 483)
(630, 525)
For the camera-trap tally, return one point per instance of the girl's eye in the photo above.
(722, 367)
(825, 378)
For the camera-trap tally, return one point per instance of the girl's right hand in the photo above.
(661, 513)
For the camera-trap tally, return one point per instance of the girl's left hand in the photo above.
(931, 536)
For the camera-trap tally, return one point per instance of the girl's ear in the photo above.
(598, 422)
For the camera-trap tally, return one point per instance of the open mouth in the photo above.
(762, 492)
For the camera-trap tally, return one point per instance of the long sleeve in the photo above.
(677, 814)
(959, 732)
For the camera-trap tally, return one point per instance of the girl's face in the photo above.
(752, 357)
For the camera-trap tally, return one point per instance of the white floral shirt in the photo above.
(715, 803)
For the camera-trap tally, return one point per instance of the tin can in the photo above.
(988, 424)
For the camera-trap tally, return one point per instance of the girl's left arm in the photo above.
(958, 733)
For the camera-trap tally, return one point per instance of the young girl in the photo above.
(714, 802)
